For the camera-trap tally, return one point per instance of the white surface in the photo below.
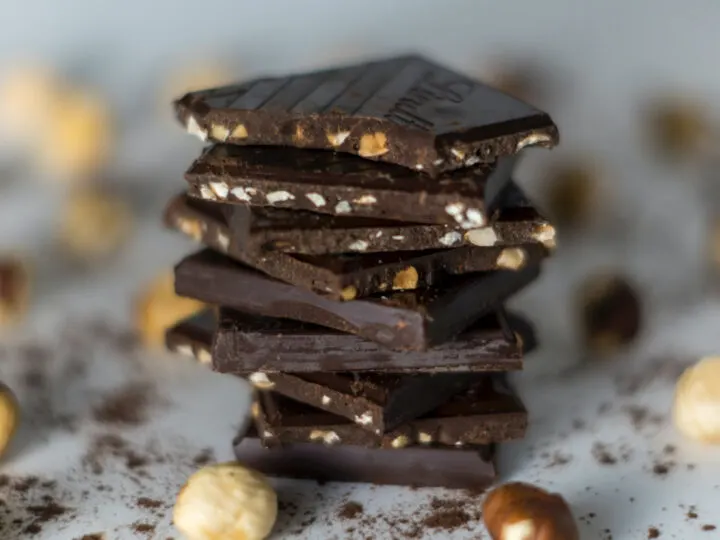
(196, 409)
(605, 56)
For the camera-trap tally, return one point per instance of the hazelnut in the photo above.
(239, 132)
(226, 501)
(677, 127)
(192, 228)
(373, 145)
(518, 511)
(9, 416)
(545, 234)
(28, 97)
(219, 132)
(406, 279)
(78, 139)
(511, 258)
(696, 409)
(484, 237)
(571, 190)
(14, 290)
(610, 313)
(157, 308)
(93, 224)
(203, 75)
(349, 293)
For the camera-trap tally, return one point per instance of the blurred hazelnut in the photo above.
(226, 501)
(518, 511)
(201, 76)
(9, 416)
(158, 308)
(610, 313)
(78, 140)
(14, 290)
(28, 97)
(571, 190)
(696, 410)
(94, 224)
(678, 127)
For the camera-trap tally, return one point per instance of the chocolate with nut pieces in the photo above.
(406, 110)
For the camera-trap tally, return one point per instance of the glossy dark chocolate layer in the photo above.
(406, 110)
(409, 320)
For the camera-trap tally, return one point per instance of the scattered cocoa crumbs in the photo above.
(95, 536)
(204, 457)
(653, 533)
(558, 459)
(447, 515)
(602, 455)
(145, 502)
(641, 417)
(350, 510)
(669, 449)
(663, 468)
(708, 528)
(128, 405)
(143, 528)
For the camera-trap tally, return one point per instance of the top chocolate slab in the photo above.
(406, 110)
(345, 185)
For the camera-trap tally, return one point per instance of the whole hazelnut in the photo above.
(158, 308)
(518, 511)
(696, 409)
(226, 501)
(9, 414)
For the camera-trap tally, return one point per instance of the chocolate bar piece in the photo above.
(344, 277)
(345, 185)
(450, 468)
(481, 416)
(247, 345)
(377, 402)
(256, 228)
(411, 320)
(406, 110)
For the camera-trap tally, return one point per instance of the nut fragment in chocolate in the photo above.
(14, 290)
(158, 308)
(610, 313)
(570, 190)
(406, 279)
(677, 127)
(9, 416)
(94, 224)
(518, 511)
(226, 501)
(696, 409)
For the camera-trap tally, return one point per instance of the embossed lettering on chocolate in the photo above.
(406, 110)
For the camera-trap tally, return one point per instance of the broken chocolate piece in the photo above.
(450, 468)
(345, 185)
(410, 320)
(406, 110)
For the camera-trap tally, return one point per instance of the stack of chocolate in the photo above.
(363, 233)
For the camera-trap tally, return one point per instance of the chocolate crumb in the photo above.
(653, 533)
(143, 528)
(127, 405)
(204, 457)
(95, 536)
(350, 510)
(145, 502)
(662, 469)
(707, 528)
(602, 455)
(447, 515)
